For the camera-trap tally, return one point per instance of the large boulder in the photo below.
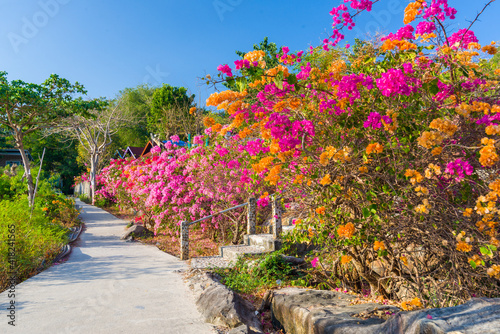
(134, 231)
(221, 306)
(300, 311)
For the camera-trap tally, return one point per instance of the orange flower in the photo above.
(374, 148)
(345, 259)
(45, 209)
(488, 154)
(444, 126)
(298, 179)
(411, 11)
(326, 180)
(410, 305)
(216, 127)
(462, 246)
(192, 110)
(468, 212)
(379, 245)
(346, 231)
(323, 158)
(363, 169)
(494, 271)
(208, 122)
(437, 151)
(321, 210)
(415, 177)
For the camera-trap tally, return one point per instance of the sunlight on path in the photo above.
(107, 286)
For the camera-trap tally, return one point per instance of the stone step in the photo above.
(266, 241)
(211, 262)
(232, 253)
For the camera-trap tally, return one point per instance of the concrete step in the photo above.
(266, 241)
(232, 253)
(211, 262)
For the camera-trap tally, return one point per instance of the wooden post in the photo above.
(277, 212)
(184, 241)
(251, 215)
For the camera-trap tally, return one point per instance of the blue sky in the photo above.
(109, 45)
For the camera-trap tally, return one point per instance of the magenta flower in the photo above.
(314, 262)
(458, 168)
(462, 38)
(425, 27)
(225, 69)
(156, 149)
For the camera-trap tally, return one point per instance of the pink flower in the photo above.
(429, 316)
(225, 69)
(458, 167)
(425, 27)
(314, 262)
(156, 149)
(462, 38)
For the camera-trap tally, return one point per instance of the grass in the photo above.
(31, 244)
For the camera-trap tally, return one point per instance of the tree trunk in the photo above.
(27, 168)
(94, 160)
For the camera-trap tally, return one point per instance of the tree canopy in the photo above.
(27, 107)
(171, 112)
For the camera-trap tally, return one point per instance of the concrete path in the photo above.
(106, 286)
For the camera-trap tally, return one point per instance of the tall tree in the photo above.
(271, 50)
(135, 102)
(171, 113)
(61, 156)
(95, 133)
(26, 108)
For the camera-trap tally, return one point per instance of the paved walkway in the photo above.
(106, 286)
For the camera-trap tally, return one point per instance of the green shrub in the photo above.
(85, 199)
(267, 271)
(36, 241)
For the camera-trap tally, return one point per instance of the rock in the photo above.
(293, 260)
(300, 311)
(136, 231)
(477, 316)
(243, 329)
(221, 306)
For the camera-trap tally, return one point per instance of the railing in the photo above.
(251, 222)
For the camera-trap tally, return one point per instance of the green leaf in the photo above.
(486, 251)
(382, 253)
(366, 212)
(473, 264)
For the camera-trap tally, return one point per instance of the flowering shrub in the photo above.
(391, 144)
(178, 184)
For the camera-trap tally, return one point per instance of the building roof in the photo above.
(14, 152)
(132, 151)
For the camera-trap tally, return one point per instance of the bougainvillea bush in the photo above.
(391, 144)
(178, 184)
